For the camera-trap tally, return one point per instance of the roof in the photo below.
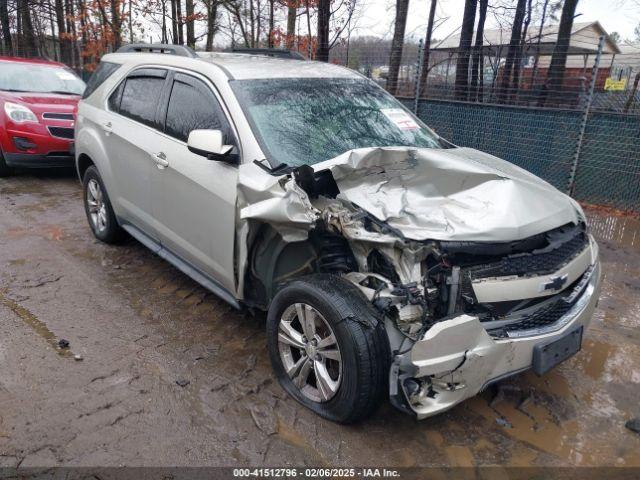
(38, 61)
(584, 39)
(244, 66)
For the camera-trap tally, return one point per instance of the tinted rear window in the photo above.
(104, 71)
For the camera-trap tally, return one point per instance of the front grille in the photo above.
(548, 314)
(57, 116)
(61, 132)
(542, 263)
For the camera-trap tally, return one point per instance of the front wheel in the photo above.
(328, 347)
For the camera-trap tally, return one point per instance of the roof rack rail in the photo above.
(270, 52)
(179, 50)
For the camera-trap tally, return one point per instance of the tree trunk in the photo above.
(6, 31)
(324, 14)
(522, 49)
(191, 34)
(174, 22)
(212, 11)
(29, 40)
(164, 22)
(116, 24)
(464, 49)
(477, 65)
(536, 60)
(62, 30)
(395, 57)
(179, 21)
(555, 76)
(292, 12)
(514, 46)
(270, 37)
(427, 49)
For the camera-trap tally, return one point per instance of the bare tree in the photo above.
(427, 49)
(477, 65)
(212, 22)
(190, 21)
(6, 29)
(464, 49)
(512, 52)
(395, 57)
(555, 76)
(324, 16)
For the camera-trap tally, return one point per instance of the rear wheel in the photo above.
(328, 348)
(98, 208)
(5, 170)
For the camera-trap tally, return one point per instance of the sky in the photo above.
(377, 16)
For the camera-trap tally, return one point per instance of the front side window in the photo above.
(141, 95)
(193, 106)
(308, 120)
(35, 78)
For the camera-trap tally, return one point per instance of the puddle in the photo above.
(624, 231)
(36, 324)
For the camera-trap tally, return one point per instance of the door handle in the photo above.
(107, 127)
(161, 160)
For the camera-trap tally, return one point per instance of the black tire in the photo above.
(5, 170)
(361, 337)
(112, 232)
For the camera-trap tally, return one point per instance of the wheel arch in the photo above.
(83, 162)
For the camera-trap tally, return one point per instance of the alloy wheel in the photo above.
(310, 352)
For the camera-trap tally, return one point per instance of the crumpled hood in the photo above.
(449, 194)
(426, 194)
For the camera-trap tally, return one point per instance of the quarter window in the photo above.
(193, 106)
(141, 95)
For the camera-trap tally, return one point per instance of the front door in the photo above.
(194, 198)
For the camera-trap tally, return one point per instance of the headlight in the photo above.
(19, 113)
(580, 213)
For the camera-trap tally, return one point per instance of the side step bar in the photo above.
(203, 279)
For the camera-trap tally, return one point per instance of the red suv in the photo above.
(38, 105)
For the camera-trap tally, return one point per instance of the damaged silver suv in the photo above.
(390, 261)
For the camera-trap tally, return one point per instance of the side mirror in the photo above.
(209, 143)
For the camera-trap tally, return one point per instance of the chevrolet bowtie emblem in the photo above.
(554, 283)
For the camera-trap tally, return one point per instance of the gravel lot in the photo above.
(172, 376)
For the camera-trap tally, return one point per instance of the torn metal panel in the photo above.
(425, 194)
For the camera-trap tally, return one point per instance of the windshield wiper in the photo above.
(13, 90)
(63, 92)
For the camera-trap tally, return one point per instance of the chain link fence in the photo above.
(578, 128)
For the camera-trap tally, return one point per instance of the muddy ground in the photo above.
(142, 327)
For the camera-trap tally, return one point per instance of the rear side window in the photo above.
(104, 71)
(193, 106)
(141, 95)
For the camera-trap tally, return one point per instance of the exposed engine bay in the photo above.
(486, 253)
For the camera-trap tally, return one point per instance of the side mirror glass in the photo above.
(210, 144)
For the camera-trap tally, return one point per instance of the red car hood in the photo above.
(44, 102)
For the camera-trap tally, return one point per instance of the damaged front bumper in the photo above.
(456, 358)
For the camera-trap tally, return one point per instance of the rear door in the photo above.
(132, 132)
(194, 198)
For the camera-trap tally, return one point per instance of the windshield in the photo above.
(25, 77)
(308, 120)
